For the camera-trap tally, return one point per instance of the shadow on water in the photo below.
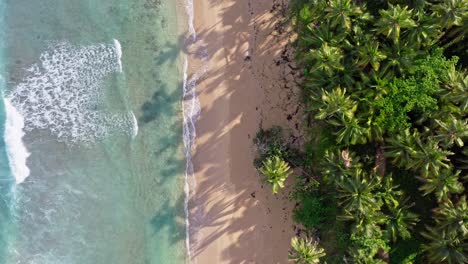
(165, 220)
(169, 53)
(169, 217)
(159, 105)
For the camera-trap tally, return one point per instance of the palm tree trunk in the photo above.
(380, 161)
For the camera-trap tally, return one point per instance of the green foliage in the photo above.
(355, 192)
(415, 93)
(335, 165)
(445, 247)
(370, 54)
(276, 172)
(393, 20)
(321, 141)
(430, 158)
(335, 105)
(364, 249)
(403, 96)
(382, 80)
(405, 251)
(454, 131)
(271, 142)
(442, 184)
(327, 59)
(451, 12)
(305, 251)
(401, 222)
(408, 151)
(311, 212)
(453, 217)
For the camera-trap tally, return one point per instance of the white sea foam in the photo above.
(191, 112)
(190, 13)
(16, 150)
(189, 134)
(118, 49)
(135, 126)
(63, 93)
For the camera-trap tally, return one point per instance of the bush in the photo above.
(271, 143)
(405, 251)
(311, 212)
(414, 93)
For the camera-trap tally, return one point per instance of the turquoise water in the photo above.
(98, 176)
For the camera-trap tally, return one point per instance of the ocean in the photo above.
(92, 162)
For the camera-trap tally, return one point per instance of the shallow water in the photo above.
(97, 90)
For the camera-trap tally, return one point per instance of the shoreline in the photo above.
(190, 106)
(233, 215)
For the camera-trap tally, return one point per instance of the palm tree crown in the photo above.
(445, 247)
(451, 12)
(355, 192)
(393, 20)
(401, 222)
(453, 217)
(305, 252)
(327, 59)
(453, 131)
(339, 12)
(441, 184)
(276, 171)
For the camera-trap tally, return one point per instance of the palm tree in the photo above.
(370, 54)
(400, 58)
(400, 221)
(390, 192)
(401, 148)
(336, 104)
(441, 184)
(355, 192)
(451, 12)
(276, 171)
(457, 89)
(426, 34)
(429, 158)
(453, 131)
(309, 13)
(394, 19)
(336, 165)
(305, 251)
(340, 12)
(350, 131)
(464, 163)
(327, 59)
(365, 224)
(445, 247)
(317, 35)
(453, 217)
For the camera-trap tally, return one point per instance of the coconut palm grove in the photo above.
(383, 174)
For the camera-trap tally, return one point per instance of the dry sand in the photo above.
(234, 216)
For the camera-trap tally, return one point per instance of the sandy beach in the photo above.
(234, 217)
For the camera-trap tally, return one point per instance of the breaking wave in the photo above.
(16, 150)
(63, 93)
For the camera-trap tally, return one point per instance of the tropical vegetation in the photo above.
(384, 172)
(305, 251)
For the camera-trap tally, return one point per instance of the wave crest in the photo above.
(16, 150)
(63, 93)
